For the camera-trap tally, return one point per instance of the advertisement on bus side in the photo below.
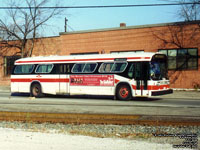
(92, 80)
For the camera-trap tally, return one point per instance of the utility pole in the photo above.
(66, 24)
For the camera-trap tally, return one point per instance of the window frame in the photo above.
(113, 66)
(44, 72)
(178, 58)
(82, 71)
(33, 66)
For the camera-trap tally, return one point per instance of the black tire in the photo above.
(36, 90)
(123, 92)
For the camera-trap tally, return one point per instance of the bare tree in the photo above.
(189, 12)
(178, 35)
(21, 26)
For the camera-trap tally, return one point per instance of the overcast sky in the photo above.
(98, 18)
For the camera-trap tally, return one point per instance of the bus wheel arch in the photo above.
(36, 89)
(123, 91)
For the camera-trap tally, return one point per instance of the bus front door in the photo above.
(141, 77)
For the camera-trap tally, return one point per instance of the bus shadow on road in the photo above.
(20, 94)
(145, 99)
(99, 97)
(88, 97)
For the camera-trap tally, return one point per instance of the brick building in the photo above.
(179, 41)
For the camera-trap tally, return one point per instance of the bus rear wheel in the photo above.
(123, 92)
(36, 90)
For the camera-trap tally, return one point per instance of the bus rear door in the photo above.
(141, 78)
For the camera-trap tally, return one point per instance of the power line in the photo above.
(103, 6)
(70, 27)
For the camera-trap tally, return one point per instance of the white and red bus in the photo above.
(124, 75)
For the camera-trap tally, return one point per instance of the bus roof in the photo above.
(142, 56)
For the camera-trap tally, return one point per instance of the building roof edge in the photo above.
(131, 27)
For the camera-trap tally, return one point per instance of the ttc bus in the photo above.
(123, 76)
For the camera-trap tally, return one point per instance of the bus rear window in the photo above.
(44, 68)
(23, 69)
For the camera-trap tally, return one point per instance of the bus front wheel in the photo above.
(36, 90)
(123, 92)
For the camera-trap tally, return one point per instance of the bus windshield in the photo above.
(158, 70)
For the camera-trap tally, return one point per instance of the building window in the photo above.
(90, 53)
(182, 59)
(9, 64)
(134, 51)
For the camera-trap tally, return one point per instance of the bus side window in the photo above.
(119, 67)
(24, 69)
(131, 71)
(63, 69)
(66, 68)
(44, 68)
(90, 67)
(78, 68)
(106, 67)
(60, 69)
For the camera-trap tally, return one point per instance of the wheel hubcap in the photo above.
(35, 91)
(124, 92)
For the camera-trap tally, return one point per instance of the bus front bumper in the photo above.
(157, 93)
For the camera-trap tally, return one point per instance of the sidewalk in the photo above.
(4, 88)
(181, 94)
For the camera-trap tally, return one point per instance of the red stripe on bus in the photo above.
(134, 87)
(150, 87)
(65, 60)
(39, 79)
(153, 87)
(116, 81)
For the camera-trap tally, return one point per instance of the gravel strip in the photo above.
(155, 134)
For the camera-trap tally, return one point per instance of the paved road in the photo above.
(57, 104)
